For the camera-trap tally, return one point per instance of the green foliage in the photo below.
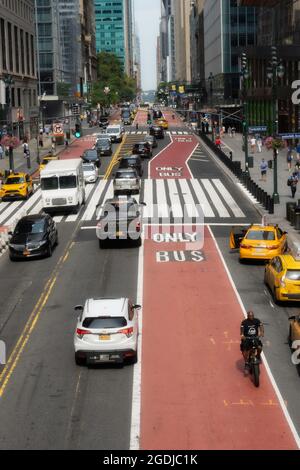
(63, 89)
(110, 75)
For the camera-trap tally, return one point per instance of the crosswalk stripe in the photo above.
(148, 198)
(206, 207)
(9, 210)
(222, 211)
(91, 208)
(228, 198)
(190, 207)
(163, 210)
(175, 199)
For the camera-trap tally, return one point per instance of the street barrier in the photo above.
(235, 166)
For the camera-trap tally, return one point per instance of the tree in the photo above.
(110, 75)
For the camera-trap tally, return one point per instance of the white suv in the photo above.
(107, 331)
(115, 132)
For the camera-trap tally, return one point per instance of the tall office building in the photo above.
(228, 28)
(181, 14)
(114, 30)
(18, 84)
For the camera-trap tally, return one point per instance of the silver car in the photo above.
(126, 181)
(90, 172)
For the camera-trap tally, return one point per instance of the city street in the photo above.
(188, 389)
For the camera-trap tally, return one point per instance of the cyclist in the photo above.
(251, 327)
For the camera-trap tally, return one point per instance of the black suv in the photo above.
(143, 149)
(91, 156)
(132, 161)
(157, 131)
(103, 122)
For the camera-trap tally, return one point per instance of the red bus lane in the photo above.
(194, 394)
(171, 163)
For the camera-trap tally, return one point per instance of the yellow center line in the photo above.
(114, 160)
(32, 322)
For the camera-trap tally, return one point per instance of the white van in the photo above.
(115, 132)
(63, 185)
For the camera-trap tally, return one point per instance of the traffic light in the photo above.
(78, 130)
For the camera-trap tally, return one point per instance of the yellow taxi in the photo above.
(162, 123)
(282, 276)
(46, 159)
(259, 242)
(17, 185)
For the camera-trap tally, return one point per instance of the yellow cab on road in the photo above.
(282, 276)
(162, 123)
(46, 159)
(259, 242)
(17, 185)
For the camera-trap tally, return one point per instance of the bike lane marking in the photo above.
(194, 392)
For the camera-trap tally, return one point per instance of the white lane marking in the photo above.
(172, 224)
(74, 217)
(176, 208)
(3, 205)
(37, 208)
(135, 429)
(228, 198)
(206, 207)
(148, 198)
(162, 205)
(189, 203)
(222, 211)
(158, 155)
(271, 377)
(10, 210)
(88, 214)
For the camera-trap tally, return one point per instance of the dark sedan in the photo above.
(91, 156)
(143, 149)
(157, 132)
(34, 235)
(132, 161)
(103, 122)
(104, 147)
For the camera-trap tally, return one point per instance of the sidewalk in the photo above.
(234, 145)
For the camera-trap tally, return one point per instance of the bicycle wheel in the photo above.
(255, 369)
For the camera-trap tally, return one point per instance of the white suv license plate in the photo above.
(102, 358)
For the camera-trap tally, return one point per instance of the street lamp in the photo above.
(274, 71)
(245, 75)
(210, 81)
(9, 81)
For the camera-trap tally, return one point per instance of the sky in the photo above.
(147, 16)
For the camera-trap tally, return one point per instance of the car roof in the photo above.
(140, 143)
(267, 228)
(120, 200)
(112, 307)
(125, 170)
(290, 262)
(34, 217)
(13, 175)
(130, 157)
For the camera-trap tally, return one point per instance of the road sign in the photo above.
(253, 129)
(57, 128)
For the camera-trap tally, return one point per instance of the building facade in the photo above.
(181, 10)
(278, 25)
(228, 29)
(18, 71)
(114, 30)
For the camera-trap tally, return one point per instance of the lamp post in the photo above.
(9, 81)
(275, 71)
(210, 81)
(245, 76)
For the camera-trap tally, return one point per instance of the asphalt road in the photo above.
(46, 401)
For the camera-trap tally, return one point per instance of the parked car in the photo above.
(90, 172)
(126, 181)
(104, 147)
(143, 149)
(16, 186)
(132, 161)
(34, 235)
(120, 218)
(91, 156)
(106, 331)
(157, 132)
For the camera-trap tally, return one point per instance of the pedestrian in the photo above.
(253, 144)
(41, 142)
(292, 182)
(259, 144)
(25, 149)
(289, 158)
(218, 142)
(66, 142)
(263, 170)
(229, 131)
(298, 151)
(232, 131)
(1, 152)
(137, 126)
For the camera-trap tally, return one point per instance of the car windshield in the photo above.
(112, 130)
(67, 182)
(260, 235)
(15, 180)
(293, 274)
(90, 154)
(30, 226)
(128, 162)
(88, 168)
(125, 174)
(50, 183)
(104, 322)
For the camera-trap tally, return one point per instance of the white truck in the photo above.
(63, 186)
(115, 132)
